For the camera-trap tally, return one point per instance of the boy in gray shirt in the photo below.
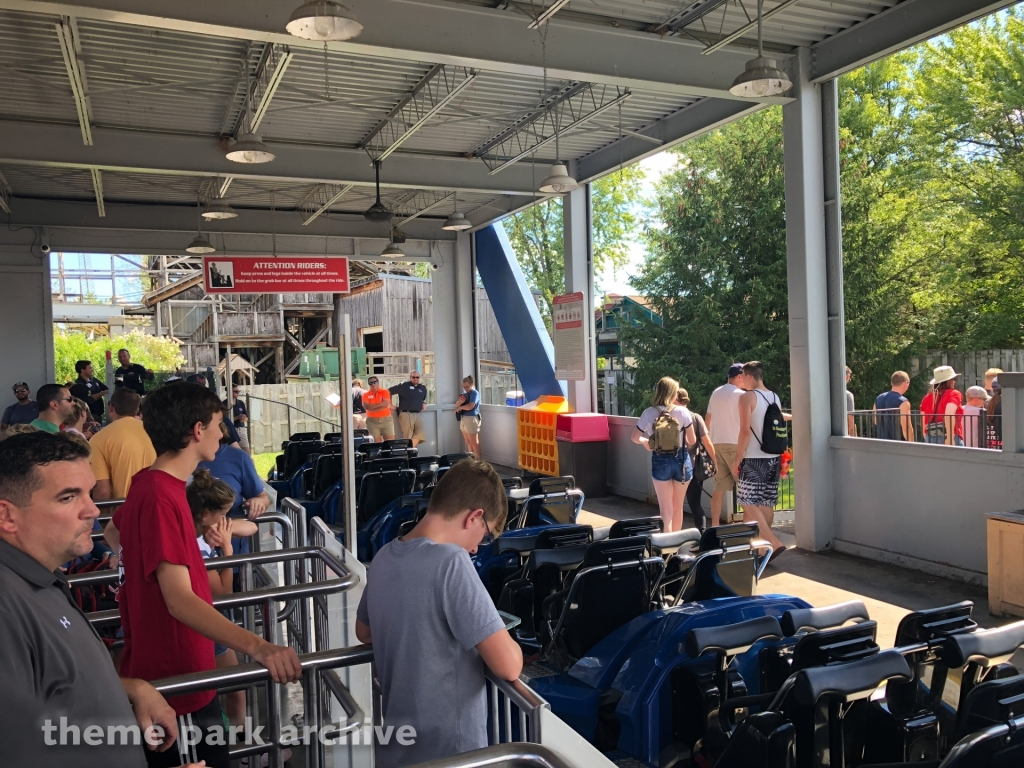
(433, 625)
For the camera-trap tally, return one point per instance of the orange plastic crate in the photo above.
(538, 451)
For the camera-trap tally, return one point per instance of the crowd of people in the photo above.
(739, 443)
(376, 409)
(190, 492)
(971, 419)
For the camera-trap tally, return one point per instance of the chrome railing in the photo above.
(315, 667)
(514, 711)
(503, 756)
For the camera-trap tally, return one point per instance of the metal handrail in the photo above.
(506, 694)
(736, 548)
(502, 756)
(251, 396)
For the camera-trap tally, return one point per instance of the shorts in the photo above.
(383, 427)
(208, 720)
(470, 425)
(666, 466)
(220, 650)
(243, 438)
(412, 425)
(725, 457)
(758, 484)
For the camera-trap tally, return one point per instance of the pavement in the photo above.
(826, 577)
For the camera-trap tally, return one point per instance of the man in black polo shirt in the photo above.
(89, 388)
(412, 400)
(62, 702)
(131, 374)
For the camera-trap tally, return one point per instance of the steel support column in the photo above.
(834, 255)
(806, 255)
(579, 276)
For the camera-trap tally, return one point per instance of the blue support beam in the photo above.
(516, 311)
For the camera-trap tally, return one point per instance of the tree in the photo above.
(536, 234)
(716, 266)
(157, 354)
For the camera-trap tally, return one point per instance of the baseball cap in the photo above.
(735, 370)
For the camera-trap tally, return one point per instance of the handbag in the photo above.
(703, 465)
(937, 429)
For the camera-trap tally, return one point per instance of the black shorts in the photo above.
(208, 719)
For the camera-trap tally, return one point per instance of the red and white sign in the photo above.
(570, 338)
(275, 274)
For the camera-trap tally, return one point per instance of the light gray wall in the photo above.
(499, 435)
(26, 318)
(921, 506)
(629, 464)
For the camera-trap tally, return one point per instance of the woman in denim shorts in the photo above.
(671, 472)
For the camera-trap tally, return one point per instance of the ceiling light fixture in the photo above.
(323, 21)
(219, 209)
(249, 149)
(378, 211)
(762, 76)
(200, 244)
(558, 181)
(456, 222)
(392, 250)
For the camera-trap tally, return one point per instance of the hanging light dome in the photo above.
(762, 77)
(558, 180)
(219, 209)
(392, 250)
(200, 245)
(378, 211)
(249, 148)
(456, 223)
(323, 21)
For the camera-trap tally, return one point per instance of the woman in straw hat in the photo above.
(943, 409)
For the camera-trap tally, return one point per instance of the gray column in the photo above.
(806, 252)
(1013, 411)
(579, 276)
(452, 316)
(26, 312)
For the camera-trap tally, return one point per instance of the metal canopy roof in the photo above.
(114, 114)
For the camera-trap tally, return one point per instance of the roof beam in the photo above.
(70, 49)
(320, 198)
(439, 199)
(5, 194)
(97, 188)
(748, 27)
(449, 33)
(545, 16)
(687, 123)
(431, 95)
(167, 229)
(894, 29)
(117, 150)
(551, 119)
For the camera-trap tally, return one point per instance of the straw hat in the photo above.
(943, 373)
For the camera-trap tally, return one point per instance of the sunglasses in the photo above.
(20, 389)
(373, 381)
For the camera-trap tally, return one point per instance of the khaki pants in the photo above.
(412, 425)
(381, 429)
(725, 457)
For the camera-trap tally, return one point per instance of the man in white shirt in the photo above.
(723, 422)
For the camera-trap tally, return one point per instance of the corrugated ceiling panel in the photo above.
(34, 82)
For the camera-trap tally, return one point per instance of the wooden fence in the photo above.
(971, 364)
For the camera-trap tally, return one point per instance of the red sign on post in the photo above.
(277, 274)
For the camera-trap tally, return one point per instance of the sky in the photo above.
(655, 167)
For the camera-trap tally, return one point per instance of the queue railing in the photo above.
(503, 756)
(981, 430)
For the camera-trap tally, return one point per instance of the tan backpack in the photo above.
(665, 433)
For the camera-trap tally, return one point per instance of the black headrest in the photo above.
(616, 550)
(732, 639)
(545, 485)
(424, 462)
(727, 535)
(563, 536)
(333, 437)
(385, 464)
(453, 458)
(985, 647)
(826, 617)
(427, 491)
(369, 448)
(855, 680)
(565, 558)
(638, 525)
(833, 646)
(390, 445)
(360, 433)
(512, 482)
(332, 449)
(300, 436)
(933, 623)
(520, 544)
(993, 701)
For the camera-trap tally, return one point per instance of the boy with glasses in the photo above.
(424, 593)
(24, 411)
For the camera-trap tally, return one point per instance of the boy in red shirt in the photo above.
(167, 612)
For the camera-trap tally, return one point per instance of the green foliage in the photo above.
(716, 267)
(536, 234)
(157, 354)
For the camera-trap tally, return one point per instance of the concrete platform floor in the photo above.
(824, 578)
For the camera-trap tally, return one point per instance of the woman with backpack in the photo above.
(666, 430)
(943, 409)
(702, 457)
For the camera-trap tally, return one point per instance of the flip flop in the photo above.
(776, 553)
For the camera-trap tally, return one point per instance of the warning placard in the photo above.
(277, 274)
(569, 337)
